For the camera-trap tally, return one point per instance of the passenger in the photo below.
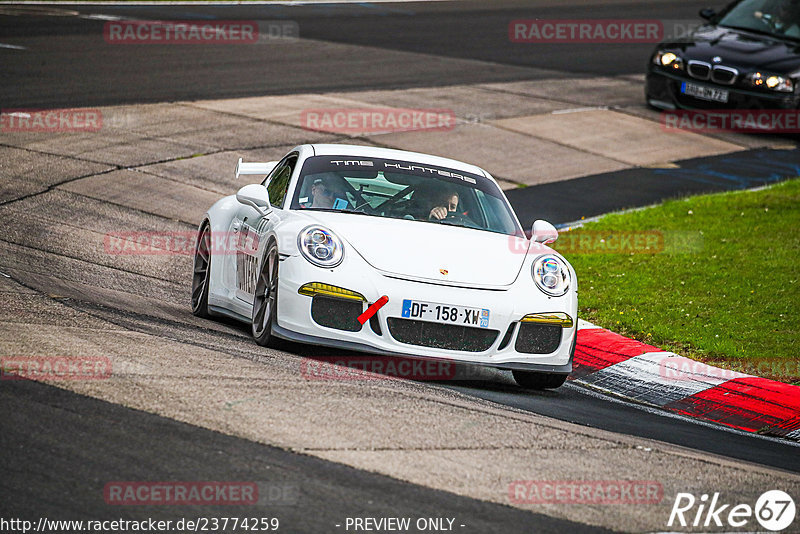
(321, 195)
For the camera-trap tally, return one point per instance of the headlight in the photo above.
(551, 275)
(320, 246)
(771, 81)
(668, 59)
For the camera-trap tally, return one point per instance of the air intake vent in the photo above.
(441, 336)
(336, 313)
(538, 338)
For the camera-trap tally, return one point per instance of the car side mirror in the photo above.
(543, 232)
(708, 13)
(255, 195)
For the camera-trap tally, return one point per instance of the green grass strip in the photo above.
(714, 277)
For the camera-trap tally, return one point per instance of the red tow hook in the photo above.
(372, 310)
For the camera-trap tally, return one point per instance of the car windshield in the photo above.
(780, 18)
(403, 190)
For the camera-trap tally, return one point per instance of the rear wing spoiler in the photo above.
(262, 169)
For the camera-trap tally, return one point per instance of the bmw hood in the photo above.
(427, 250)
(743, 50)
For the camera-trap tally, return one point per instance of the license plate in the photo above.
(445, 313)
(704, 93)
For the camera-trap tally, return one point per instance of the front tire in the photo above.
(202, 272)
(265, 301)
(533, 380)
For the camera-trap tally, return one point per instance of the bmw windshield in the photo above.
(403, 190)
(780, 18)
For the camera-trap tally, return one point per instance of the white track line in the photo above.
(579, 223)
(579, 110)
(95, 16)
(12, 47)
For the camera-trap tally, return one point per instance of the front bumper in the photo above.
(663, 90)
(507, 307)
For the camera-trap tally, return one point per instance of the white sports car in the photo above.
(389, 252)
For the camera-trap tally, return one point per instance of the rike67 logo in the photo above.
(774, 510)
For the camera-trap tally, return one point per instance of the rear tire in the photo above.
(202, 272)
(265, 301)
(534, 380)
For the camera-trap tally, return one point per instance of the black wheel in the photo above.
(533, 380)
(265, 301)
(202, 272)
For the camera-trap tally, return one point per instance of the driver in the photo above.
(782, 15)
(321, 195)
(445, 203)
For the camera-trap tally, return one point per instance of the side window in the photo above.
(279, 182)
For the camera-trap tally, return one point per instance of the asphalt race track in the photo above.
(58, 432)
(566, 202)
(437, 33)
(198, 400)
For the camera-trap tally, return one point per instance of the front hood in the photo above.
(743, 50)
(431, 251)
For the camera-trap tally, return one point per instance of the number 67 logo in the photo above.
(774, 510)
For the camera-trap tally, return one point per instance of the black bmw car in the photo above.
(747, 56)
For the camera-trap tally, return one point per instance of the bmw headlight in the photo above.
(668, 59)
(771, 81)
(320, 246)
(551, 275)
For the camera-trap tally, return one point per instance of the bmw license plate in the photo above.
(704, 93)
(445, 313)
